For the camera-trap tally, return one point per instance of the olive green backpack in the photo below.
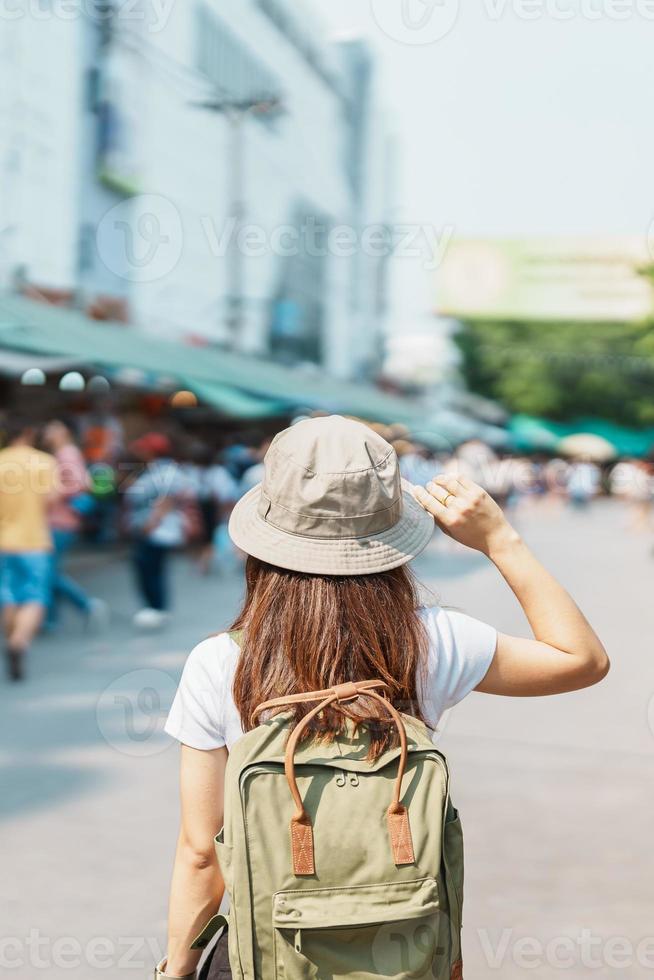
(337, 867)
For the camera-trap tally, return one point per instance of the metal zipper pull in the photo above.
(298, 940)
(354, 779)
(341, 778)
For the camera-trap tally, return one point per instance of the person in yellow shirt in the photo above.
(28, 480)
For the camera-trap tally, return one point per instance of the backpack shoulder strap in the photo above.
(301, 826)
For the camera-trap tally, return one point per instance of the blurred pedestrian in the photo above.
(102, 445)
(632, 481)
(72, 504)
(584, 482)
(27, 486)
(102, 434)
(497, 474)
(196, 470)
(224, 491)
(254, 473)
(416, 464)
(156, 501)
(238, 457)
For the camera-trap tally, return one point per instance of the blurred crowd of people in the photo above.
(512, 478)
(63, 483)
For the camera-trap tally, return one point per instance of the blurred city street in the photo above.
(222, 220)
(555, 794)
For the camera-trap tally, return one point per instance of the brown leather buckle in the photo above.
(346, 692)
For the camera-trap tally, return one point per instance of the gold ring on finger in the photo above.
(446, 498)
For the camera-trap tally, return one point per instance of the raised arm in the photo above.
(566, 653)
(197, 886)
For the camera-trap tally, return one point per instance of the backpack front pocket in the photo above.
(365, 931)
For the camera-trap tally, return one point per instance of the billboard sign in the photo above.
(592, 280)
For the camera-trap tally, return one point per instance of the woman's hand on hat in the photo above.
(465, 512)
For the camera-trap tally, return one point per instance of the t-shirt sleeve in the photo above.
(461, 650)
(196, 714)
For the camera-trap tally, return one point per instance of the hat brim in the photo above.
(331, 556)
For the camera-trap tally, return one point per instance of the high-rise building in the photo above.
(212, 173)
(40, 92)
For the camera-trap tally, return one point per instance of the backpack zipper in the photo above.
(297, 935)
(297, 938)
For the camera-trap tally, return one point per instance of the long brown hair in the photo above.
(304, 632)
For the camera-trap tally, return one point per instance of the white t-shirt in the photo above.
(204, 716)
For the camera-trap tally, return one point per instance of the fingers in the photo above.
(450, 483)
(441, 493)
(469, 484)
(431, 504)
(458, 486)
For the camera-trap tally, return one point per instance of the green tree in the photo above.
(561, 370)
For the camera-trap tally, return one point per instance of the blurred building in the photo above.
(204, 171)
(423, 355)
(40, 93)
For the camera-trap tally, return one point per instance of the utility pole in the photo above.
(236, 112)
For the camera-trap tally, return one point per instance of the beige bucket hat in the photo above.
(332, 502)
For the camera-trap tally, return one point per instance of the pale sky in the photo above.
(528, 117)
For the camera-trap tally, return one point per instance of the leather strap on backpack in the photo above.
(302, 848)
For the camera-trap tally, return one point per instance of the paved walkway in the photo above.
(556, 794)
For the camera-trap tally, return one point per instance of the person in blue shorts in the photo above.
(28, 481)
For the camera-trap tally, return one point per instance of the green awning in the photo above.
(232, 401)
(534, 434)
(37, 327)
(13, 364)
